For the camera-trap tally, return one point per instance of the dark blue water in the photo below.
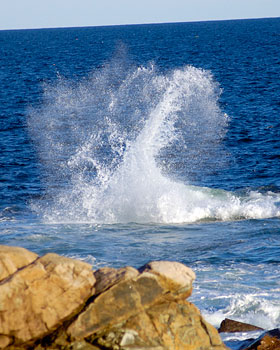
(124, 144)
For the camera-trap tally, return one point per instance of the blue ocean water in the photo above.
(125, 144)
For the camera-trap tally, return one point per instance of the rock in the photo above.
(56, 303)
(36, 300)
(268, 341)
(130, 294)
(107, 276)
(14, 258)
(176, 276)
(4, 341)
(113, 306)
(81, 345)
(166, 326)
(231, 326)
(175, 325)
(147, 311)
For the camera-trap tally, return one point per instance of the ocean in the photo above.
(126, 144)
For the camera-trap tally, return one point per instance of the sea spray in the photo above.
(111, 143)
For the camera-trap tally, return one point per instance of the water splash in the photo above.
(111, 147)
(258, 309)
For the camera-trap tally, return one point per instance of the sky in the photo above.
(23, 14)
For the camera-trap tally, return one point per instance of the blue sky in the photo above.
(20, 14)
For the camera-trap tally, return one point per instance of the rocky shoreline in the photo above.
(54, 302)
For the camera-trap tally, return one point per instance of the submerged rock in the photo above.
(61, 304)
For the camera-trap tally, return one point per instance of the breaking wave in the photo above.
(119, 146)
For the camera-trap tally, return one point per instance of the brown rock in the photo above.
(167, 326)
(14, 258)
(4, 341)
(231, 326)
(268, 341)
(36, 299)
(113, 306)
(106, 277)
(81, 345)
(138, 313)
(118, 303)
(59, 303)
(180, 325)
(177, 277)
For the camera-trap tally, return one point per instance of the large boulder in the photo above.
(37, 299)
(146, 311)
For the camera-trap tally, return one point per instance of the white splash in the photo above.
(257, 309)
(109, 146)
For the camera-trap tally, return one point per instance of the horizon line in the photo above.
(138, 24)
